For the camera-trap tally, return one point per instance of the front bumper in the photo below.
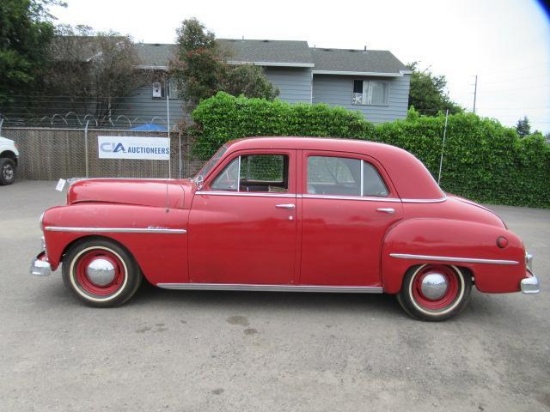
(40, 266)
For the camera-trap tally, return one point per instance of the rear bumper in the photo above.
(530, 284)
(40, 266)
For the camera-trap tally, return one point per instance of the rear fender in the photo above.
(467, 245)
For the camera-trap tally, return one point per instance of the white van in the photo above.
(9, 156)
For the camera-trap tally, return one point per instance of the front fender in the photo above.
(155, 237)
(464, 244)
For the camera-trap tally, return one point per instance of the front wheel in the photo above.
(100, 273)
(7, 171)
(435, 292)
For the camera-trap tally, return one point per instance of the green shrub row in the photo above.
(482, 160)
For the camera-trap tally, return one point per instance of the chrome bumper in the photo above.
(530, 284)
(40, 267)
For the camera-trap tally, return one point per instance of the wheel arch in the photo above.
(393, 282)
(8, 154)
(89, 238)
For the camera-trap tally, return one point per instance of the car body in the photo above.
(9, 157)
(286, 214)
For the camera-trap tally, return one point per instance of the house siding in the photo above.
(338, 91)
(143, 108)
(294, 84)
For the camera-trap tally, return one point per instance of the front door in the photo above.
(242, 225)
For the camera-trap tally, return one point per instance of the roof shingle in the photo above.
(287, 53)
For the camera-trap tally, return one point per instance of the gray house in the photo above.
(373, 82)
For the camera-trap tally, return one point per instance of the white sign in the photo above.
(60, 185)
(133, 147)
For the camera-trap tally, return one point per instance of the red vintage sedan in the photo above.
(286, 214)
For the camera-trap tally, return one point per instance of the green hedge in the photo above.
(482, 160)
(224, 117)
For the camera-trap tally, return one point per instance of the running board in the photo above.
(271, 288)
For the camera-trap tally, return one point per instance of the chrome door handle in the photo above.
(389, 210)
(285, 206)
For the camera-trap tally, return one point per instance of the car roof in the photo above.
(410, 177)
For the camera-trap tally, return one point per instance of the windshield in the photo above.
(199, 177)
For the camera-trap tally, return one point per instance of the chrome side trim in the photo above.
(440, 200)
(454, 259)
(320, 196)
(357, 198)
(271, 288)
(372, 198)
(148, 230)
(247, 194)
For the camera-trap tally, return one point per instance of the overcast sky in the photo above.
(506, 43)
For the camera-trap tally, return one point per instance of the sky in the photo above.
(505, 43)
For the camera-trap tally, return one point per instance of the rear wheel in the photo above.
(101, 273)
(7, 171)
(435, 292)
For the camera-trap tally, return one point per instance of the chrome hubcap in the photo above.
(7, 172)
(434, 286)
(101, 272)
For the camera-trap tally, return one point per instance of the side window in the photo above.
(228, 179)
(334, 176)
(254, 173)
(341, 176)
(373, 185)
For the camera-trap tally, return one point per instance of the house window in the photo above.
(173, 89)
(158, 90)
(370, 92)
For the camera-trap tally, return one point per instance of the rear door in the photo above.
(348, 204)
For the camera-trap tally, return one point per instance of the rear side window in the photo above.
(341, 176)
(373, 185)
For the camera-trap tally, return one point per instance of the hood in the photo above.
(138, 192)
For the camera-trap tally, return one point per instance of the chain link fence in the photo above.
(54, 153)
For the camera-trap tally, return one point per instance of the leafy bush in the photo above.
(225, 117)
(482, 159)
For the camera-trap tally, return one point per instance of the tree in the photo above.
(202, 70)
(428, 94)
(248, 80)
(90, 71)
(198, 65)
(25, 34)
(523, 127)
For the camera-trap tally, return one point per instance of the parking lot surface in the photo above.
(245, 351)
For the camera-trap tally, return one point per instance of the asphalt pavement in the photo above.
(246, 351)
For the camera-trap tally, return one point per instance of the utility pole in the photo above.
(475, 95)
